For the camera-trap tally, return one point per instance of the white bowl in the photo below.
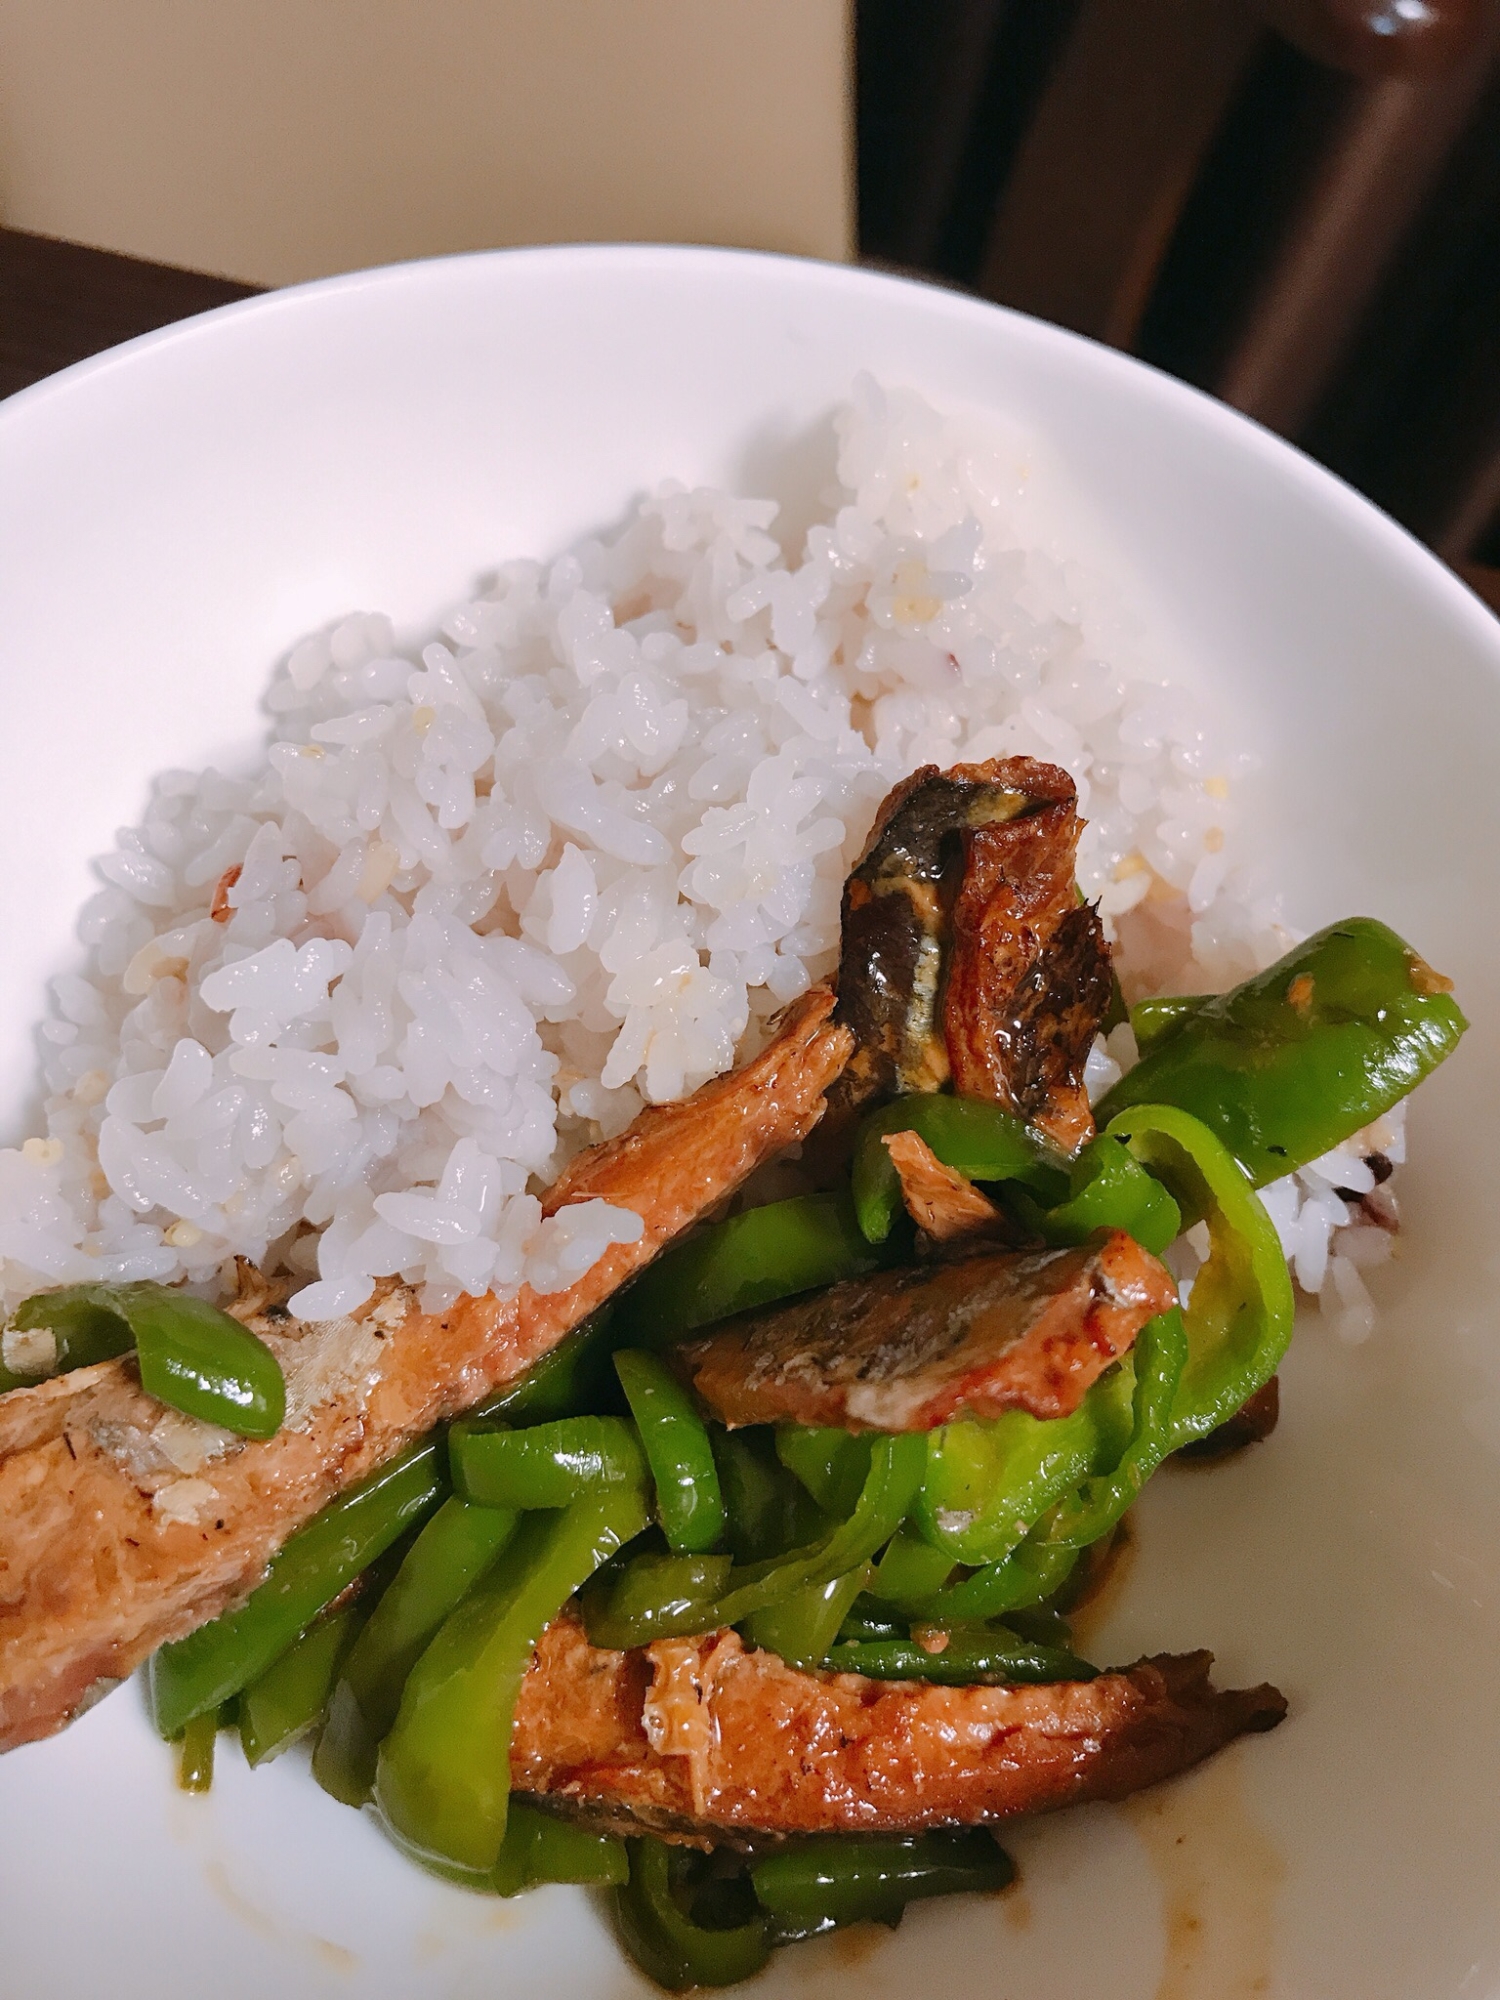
(175, 514)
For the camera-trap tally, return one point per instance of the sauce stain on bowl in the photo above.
(1220, 1874)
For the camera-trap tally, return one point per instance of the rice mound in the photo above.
(345, 1017)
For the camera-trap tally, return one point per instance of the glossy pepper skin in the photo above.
(539, 1847)
(819, 1885)
(753, 1259)
(654, 1597)
(456, 1547)
(665, 1941)
(208, 1666)
(443, 1777)
(290, 1698)
(1296, 1060)
(549, 1465)
(689, 1502)
(192, 1356)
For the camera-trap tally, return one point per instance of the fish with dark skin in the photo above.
(107, 1551)
(966, 956)
(706, 1741)
(909, 1349)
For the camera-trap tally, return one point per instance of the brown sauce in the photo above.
(1220, 1874)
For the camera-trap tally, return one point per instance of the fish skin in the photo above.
(704, 1741)
(916, 1347)
(95, 1575)
(1028, 968)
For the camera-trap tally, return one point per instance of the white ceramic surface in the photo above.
(175, 514)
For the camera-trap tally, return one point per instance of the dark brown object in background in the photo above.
(1379, 38)
(61, 302)
(1101, 178)
(1292, 203)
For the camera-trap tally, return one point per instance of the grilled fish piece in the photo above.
(1028, 968)
(965, 953)
(124, 1525)
(702, 1741)
(907, 1350)
(942, 1202)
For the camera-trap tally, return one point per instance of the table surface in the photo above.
(61, 302)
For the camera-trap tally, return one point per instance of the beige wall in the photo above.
(272, 140)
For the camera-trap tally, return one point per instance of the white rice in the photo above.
(495, 894)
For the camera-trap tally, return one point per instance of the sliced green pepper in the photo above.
(1151, 1021)
(199, 1672)
(539, 1847)
(1025, 1577)
(821, 1884)
(625, 1613)
(752, 1259)
(1108, 1189)
(985, 1658)
(664, 1940)
(656, 1596)
(768, 1508)
(289, 1699)
(443, 1777)
(456, 1547)
(802, 1627)
(192, 1357)
(549, 1465)
(988, 1481)
(1293, 1062)
(573, 1376)
(832, 1464)
(85, 1323)
(1239, 1317)
(967, 1133)
(910, 1570)
(195, 1753)
(1159, 1356)
(689, 1503)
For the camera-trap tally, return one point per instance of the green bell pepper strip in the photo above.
(199, 1672)
(84, 1328)
(910, 1570)
(967, 1133)
(821, 1884)
(455, 1548)
(1159, 1354)
(1026, 1576)
(195, 1753)
(539, 1847)
(192, 1357)
(1296, 1060)
(995, 1658)
(653, 1598)
(832, 1464)
(550, 1465)
(443, 1777)
(752, 1259)
(988, 1481)
(803, 1627)
(665, 1942)
(573, 1376)
(1239, 1316)
(689, 1503)
(768, 1508)
(290, 1698)
(1107, 1189)
(1151, 1021)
